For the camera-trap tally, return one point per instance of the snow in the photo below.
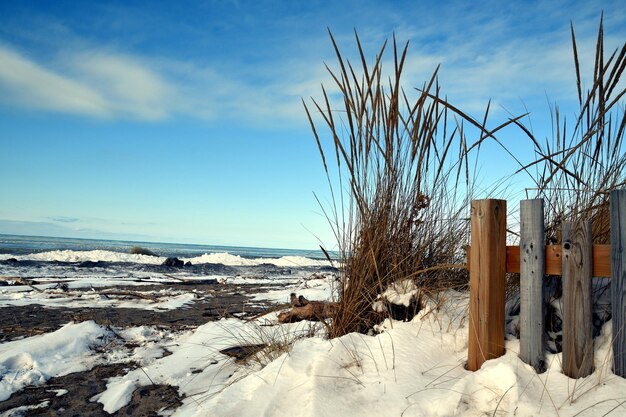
(34, 360)
(49, 296)
(195, 365)
(317, 287)
(23, 409)
(411, 368)
(400, 293)
(414, 369)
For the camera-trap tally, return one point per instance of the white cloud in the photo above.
(105, 84)
(91, 84)
(127, 85)
(482, 58)
(31, 85)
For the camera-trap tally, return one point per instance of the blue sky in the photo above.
(182, 121)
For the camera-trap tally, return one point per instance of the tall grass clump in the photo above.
(401, 177)
(583, 158)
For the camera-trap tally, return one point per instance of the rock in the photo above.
(11, 261)
(175, 262)
(92, 264)
(138, 250)
(188, 263)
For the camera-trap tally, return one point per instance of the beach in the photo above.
(77, 314)
(100, 337)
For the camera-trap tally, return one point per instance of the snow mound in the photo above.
(34, 360)
(491, 389)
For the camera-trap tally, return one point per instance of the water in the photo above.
(40, 257)
(25, 245)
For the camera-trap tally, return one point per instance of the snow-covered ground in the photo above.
(153, 293)
(411, 368)
(50, 296)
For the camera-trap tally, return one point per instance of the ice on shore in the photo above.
(161, 299)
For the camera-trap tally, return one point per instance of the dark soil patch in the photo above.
(223, 300)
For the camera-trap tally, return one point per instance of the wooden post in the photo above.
(577, 312)
(532, 267)
(487, 269)
(618, 280)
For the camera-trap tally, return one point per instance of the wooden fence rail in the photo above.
(575, 259)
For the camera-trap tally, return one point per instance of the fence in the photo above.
(576, 259)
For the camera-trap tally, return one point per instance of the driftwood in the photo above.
(183, 281)
(241, 353)
(11, 281)
(303, 309)
(129, 294)
(18, 281)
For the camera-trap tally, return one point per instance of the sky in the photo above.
(183, 121)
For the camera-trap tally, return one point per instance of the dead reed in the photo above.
(584, 159)
(400, 172)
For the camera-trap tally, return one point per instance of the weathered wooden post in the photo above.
(532, 267)
(577, 309)
(618, 280)
(487, 269)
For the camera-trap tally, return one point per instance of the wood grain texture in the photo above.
(532, 266)
(577, 308)
(487, 286)
(618, 280)
(554, 261)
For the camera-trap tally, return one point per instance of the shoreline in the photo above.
(73, 393)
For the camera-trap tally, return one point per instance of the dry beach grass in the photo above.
(402, 171)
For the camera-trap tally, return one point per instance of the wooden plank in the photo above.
(618, 280)
(487, 285)
(577, 309)
(554, 262)
(532, 267)
(602, 261)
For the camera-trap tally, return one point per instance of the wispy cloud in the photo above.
(90, 83)
(32, 85)
(128, 86)
(483, 56)
(112, 85)
(64, 219)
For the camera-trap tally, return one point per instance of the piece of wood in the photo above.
(313, 310)
(618, 280)
(532, 266)
(129, 294)
(487, 286)
(554, 261)
(577, 307)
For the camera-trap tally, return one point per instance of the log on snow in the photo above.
(313, 311)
